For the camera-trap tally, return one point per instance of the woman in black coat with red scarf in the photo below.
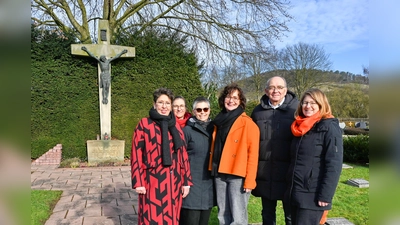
(316, 159)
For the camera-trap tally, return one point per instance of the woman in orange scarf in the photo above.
(316, 159)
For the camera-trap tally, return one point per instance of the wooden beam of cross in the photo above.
(104, 53)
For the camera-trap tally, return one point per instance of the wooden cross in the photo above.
(104, 53)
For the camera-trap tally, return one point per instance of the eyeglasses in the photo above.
(234, 98)
(178, 106)
(306, 103)
(163, 103)
(202, 109)
(279, 88)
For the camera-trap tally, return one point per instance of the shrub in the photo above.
(356, 149)
(355, 131)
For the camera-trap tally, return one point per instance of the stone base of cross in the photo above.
(103, 52)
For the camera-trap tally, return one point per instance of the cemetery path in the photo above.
(92, 195)
(96, 195)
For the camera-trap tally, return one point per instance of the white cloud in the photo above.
(338, 25)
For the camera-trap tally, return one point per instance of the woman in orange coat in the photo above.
(234, 156)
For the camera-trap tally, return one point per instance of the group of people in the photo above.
(183, 163)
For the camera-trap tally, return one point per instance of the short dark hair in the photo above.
(163, 91)
(227, 91)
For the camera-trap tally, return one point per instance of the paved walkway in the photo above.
(95, 195)
(91, 196)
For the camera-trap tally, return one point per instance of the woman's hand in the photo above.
(323, 204)
(185, 191)
(141, 190)
(247, 190)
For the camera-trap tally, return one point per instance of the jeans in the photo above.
(269, 211)
(232, 200)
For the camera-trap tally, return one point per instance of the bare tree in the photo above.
(256, 65)
(215, 26)
(306, 64)
(365, 70)
(232, 73)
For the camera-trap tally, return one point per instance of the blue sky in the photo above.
(385, 37)
(341, 27)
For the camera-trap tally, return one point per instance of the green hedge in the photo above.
(64, 88)
(356, 149)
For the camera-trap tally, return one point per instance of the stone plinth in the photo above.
(105, 150)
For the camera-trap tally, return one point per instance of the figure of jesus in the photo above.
(105, 75)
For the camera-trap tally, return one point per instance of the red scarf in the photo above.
(302, 125)
(182, 122)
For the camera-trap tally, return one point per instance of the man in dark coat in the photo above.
(274, 116)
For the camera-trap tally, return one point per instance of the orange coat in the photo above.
(240, 152)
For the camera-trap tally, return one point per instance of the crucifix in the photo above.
(104, 53)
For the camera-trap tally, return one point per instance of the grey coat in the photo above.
(201, 195)
(275, 139)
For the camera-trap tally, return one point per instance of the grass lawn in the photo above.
(42, 204)
(349, 202)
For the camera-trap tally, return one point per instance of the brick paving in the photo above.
(91, 196)
(94, 195)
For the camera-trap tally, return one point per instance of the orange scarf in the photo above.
(302, 125)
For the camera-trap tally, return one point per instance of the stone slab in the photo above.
(330, 221)
(345, 166)
(338, 221)
(361, 183)
(105, 150)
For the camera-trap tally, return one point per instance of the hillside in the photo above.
(329, 80)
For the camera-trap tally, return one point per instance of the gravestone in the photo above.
(362, 125)
(345, 166)
(338, 221)
(342, 125)
(104, 149)
(361, 183)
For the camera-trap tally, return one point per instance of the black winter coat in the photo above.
(316, 164)
(275, 139)
(201, 195)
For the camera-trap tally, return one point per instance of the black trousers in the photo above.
(305, 216)
(194, 217)
(269, 211)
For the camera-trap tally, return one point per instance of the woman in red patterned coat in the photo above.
(159, 164)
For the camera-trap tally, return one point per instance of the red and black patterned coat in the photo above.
(162, 202)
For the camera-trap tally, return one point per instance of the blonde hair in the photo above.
(320, 98)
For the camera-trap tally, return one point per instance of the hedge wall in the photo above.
(64, 89)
